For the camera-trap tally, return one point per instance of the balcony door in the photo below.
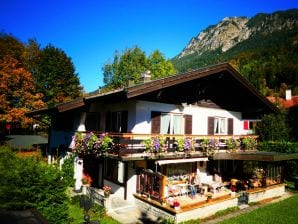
(170, 123)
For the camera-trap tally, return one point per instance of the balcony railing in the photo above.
(122, 144)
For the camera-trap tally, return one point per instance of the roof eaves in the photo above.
(174, 80)
(71, 105)
(251, 88)
(95, 96)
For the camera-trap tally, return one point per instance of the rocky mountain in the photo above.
(234, 30)
(263, 48)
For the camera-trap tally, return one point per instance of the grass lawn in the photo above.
(281, 212)
(96, 214)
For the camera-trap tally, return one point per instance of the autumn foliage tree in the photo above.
(32, 77)
(17, 92)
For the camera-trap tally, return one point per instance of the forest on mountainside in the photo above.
(268, 59)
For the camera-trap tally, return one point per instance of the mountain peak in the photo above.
(232, 30)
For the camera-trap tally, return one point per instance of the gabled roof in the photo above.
(220, 84)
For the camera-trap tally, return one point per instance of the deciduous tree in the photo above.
(17, 92)
(55, 76)
(159, 66)
(129, 66)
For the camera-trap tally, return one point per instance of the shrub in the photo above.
(30, 183)
(68, 171)
(273, 127)
(280, 146)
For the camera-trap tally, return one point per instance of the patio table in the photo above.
(183, 189)
(213, 184)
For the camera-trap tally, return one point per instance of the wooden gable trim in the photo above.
(71, 105)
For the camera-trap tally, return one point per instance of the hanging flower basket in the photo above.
(90, 143)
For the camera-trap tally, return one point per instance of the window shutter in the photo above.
(124, 120)
(230, 126)
(188, 124)
(210, 125)
(155, 122)
(245, 125)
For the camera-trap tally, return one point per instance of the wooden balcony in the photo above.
(130, 146)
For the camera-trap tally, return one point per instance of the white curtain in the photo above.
(222, 126)
(177, 124)
(165, 124)
(216, 125)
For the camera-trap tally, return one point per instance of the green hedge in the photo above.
(278, 146)
(31, 183)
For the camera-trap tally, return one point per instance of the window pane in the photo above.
(222, 126)
(177, 124)
(216, 125)
(165, 124)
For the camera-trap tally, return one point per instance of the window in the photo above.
(63, 121)
(177, 170)
(150, 184)
(167, 123)
(116, 121)
(249, 125)
(220, 126)
(92, 122)
(171, 123)
(114, 170)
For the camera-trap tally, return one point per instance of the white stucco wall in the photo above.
(131, 182)
(139, 118)
(143, 114)
(199, 115)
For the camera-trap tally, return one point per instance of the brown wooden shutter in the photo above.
(188, 124)
(155, 122)
(210, 125)
(230, 126)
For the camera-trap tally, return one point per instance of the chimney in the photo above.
(288, 94)
(146, 76)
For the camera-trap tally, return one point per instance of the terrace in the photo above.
(166, 186)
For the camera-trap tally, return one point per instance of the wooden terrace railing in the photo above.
(134, 143)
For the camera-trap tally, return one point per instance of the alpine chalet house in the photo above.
(180, 147)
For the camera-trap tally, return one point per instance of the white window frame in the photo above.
(172, 119)
(220, 126)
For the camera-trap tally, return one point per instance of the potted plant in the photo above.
(106, 191)
(180, 144)
(209, 196)
(147, 144)
(86, 180)
(163, 201)
(176, 205)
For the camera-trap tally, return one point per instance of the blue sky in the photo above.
(91, 31)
